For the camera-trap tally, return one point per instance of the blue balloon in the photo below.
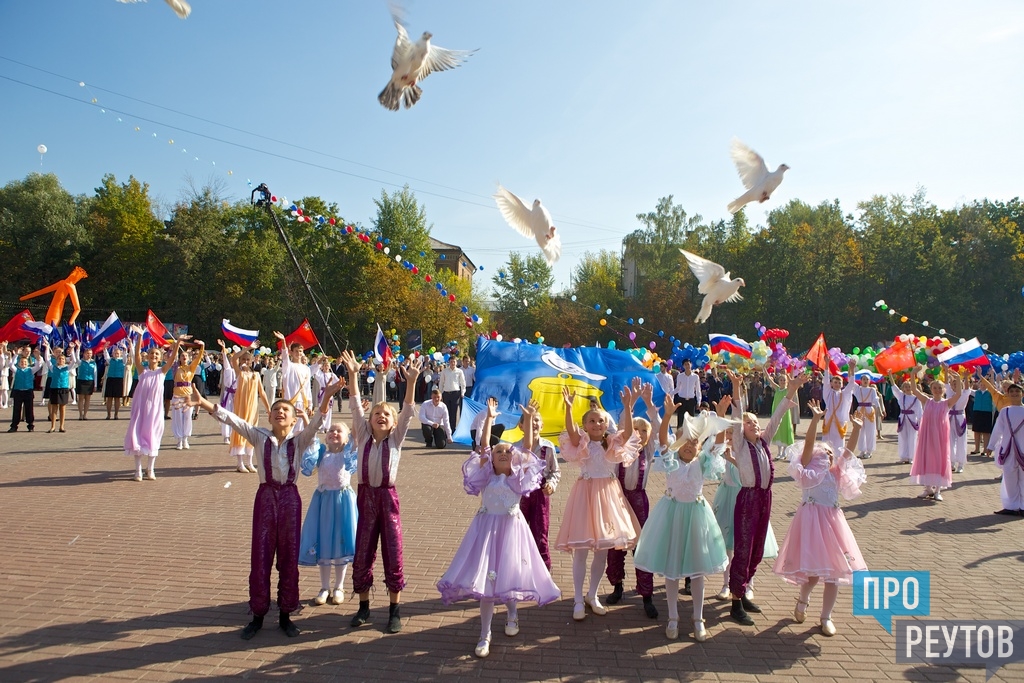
(597, 307)
(465, 309)
(444, 292)
(422, 253)
(611, 344)
(630, 321)
(672, 338)
(661, 333)
(522, 281)
(387, 241)
(403, 247)
(481, 267)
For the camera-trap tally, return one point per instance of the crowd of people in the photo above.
(505, 557)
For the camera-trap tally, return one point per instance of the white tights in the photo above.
(579, 571)
(487, 612)
(181, 421)
(138, 465)
(696, 591)
(325, 573)
(828, 595)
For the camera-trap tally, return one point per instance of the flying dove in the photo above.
(715, 284)
(535, 222)
(755, 176)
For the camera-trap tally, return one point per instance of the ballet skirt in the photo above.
(329, 531)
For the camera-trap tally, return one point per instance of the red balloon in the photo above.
(331, 221)
(469, 323)
(273, 198)
(415, 270)
(380, 245)
(451, 297)
(427, 278)
(298, 211)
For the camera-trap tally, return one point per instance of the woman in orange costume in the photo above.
(181, 408)
(249, 390)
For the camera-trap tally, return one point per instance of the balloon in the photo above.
(903, 318)
(629, 322)
(653, 345)
(641, 321)
(537, 335)
(603, 322)
(597, 307)
(370, 379)
(608, 311)
(925, 323)
(540, 340)
(41, 149)
(573, 297)
(661, 333)
(611, 344)
(632, 336)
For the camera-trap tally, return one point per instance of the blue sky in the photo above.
(598, 108)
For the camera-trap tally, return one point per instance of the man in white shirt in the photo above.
(437, 430)
(452, 383)
(295, 381)
(687, 393)
(665, 380)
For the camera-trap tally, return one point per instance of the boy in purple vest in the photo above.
(277, 511)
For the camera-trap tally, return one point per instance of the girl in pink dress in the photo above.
(932, 466)
(597, 516)
(146, 425)
(819, 544)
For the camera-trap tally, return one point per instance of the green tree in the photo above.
(521, 286)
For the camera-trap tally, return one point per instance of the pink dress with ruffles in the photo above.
(932, 466)
(597, 516)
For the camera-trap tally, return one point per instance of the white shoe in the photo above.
(579, 612)
(596, 607)
(338, 596)
(138, 476)
(723, 594)
(672, 629)
(700, 634)
(178, 446)
(185, 444)
(321, 597)
(749, 595)
(151, 476)
(512, 628)
(483, 648)
(828, 628)
(938, 496)
(227, 439)
(800, 614)
(241, 468)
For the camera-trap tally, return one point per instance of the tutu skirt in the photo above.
(819, 543)
(498, 560)
(725, 512)
(680, 540)
(329, 530)
(597, 517)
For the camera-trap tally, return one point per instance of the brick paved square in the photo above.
(109, 578)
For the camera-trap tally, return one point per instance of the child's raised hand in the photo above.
(569, 398)
(627, 398)
(815, 408)
(415, 367)
(670, 406)
(647, 392)
(220, 342)
(278, 335)
(722, 406)
(492, 408)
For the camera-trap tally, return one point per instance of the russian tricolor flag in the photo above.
(969, 354)
(37, 327)
(381, 348)
(244, 338)
(730, 343)
(110, 332)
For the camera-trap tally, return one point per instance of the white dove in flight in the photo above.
(180, 7)
(755, 176)
(553, 360)
(535, 222)
(715, 284)
(411, 63)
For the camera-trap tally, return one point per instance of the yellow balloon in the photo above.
(903, 318)
(603, 322)
(537, 335)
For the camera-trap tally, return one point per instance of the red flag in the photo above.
(13, 331)
(818, 354)
(160, 334)
(897, 357)
(303, 334)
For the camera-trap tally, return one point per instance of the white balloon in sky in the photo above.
(41, 149)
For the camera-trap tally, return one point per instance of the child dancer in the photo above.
(181, 407)
(819, 544)
(681, 538)
(784, 437)
(248, 395)
(866, 401)
(146, 424)
(378, 441)
(329, 531)
(932, 468)
(909, 421)
(958, 423)
(1008, 443)
(536, 505)
(754, 501)
(82, 360)
(597, 516)
(60, 385)
(23, 388)
(498, 560)
(113, 382)
(295, 376)
(228, 387)
(324, 377)
(838, 401)
(634, 487)
(277, 510)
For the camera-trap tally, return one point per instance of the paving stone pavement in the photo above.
(112, 579)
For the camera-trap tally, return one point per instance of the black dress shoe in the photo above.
(363, 615)
(1004, 511)
(739, 615)
(686, 586)
(251, 628)
(649, 609)
(394, 619)
(615, 596)
(12, 429)
(289, 628)
(748, 606)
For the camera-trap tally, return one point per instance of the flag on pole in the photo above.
(730, 343)
(303, 334)
(161, 335)
(818, 355)
(15, 329)
(244, 338)
(896, 358)
(381, 348)
(110, 332)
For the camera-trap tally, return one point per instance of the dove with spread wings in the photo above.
(755, 176)
(411, 63)
(530, 222)
(715, 284)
